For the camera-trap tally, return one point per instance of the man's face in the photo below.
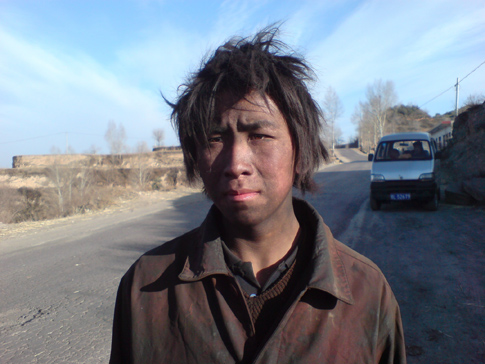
(248, 166)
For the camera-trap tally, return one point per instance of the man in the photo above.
(418, 151)
(262, 280)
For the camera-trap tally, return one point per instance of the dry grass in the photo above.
(66, 191)
(11, 203)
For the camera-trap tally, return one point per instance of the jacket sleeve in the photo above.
(391, 330)
(121, 345)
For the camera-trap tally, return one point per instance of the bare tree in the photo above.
(72, 184)
(142, 163)
(115, 136)
(64, 180)
(381, 96)
(356, 119)
(57, 178)
(364, 126)
(159, 135)
(474, 99)
(55, 150)
(332, 109)
(93, 149)
(85, 178)
(142, 147)
(31, 204)
(11, 204)
(338, 135)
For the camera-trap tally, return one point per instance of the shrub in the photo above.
(11, 203)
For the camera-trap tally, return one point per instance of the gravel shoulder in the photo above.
(141, 202)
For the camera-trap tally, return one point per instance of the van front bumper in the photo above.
(418, 190)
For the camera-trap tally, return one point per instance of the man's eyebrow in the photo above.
(250, 126)
(217, 129)
(255, 125)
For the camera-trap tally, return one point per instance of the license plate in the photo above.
(400, 196)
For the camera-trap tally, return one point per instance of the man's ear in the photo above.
(296, 173)
(297, 169)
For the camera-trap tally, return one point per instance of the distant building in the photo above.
(442, 134)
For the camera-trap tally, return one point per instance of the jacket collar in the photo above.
(327, 274)
(326, 267)
(206, 256)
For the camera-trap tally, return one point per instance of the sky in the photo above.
(68, 68)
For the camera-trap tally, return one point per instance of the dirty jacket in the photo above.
(179, 303)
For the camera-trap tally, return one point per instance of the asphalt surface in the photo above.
(58, 287)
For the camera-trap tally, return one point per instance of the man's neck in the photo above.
(264, 246)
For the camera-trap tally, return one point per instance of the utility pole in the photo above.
(67, 144)
(457, 96)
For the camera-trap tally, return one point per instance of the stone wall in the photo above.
(158, 159)
(163, 167)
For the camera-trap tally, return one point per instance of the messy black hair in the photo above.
(241, 66)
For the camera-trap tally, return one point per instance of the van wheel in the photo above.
(433, 204)
(374, 204)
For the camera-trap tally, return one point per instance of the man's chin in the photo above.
(241, 215)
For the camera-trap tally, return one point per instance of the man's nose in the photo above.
(237, 159)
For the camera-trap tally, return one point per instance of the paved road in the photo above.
(58, 287)
(57, 296)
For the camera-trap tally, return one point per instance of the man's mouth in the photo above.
(241, 195)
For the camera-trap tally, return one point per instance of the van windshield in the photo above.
(399, 150)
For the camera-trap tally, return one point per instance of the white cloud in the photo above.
(48, 92)
(49, 84)
(419, 45)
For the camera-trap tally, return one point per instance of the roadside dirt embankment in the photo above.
(463, 161)
(50, 186)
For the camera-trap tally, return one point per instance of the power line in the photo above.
(448, 89)
(60, 133)
(427, 102)
(33, 138)
(96, 135)
(481, 64)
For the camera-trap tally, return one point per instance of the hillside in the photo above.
(397, 119)
(404, 118)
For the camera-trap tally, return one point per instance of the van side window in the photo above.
(382, 151)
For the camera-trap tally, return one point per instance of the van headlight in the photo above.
(426, 177)
(377, 178)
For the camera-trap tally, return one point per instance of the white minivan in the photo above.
(404, 168)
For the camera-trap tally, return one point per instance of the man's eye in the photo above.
(215, 139)
(258, 137)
